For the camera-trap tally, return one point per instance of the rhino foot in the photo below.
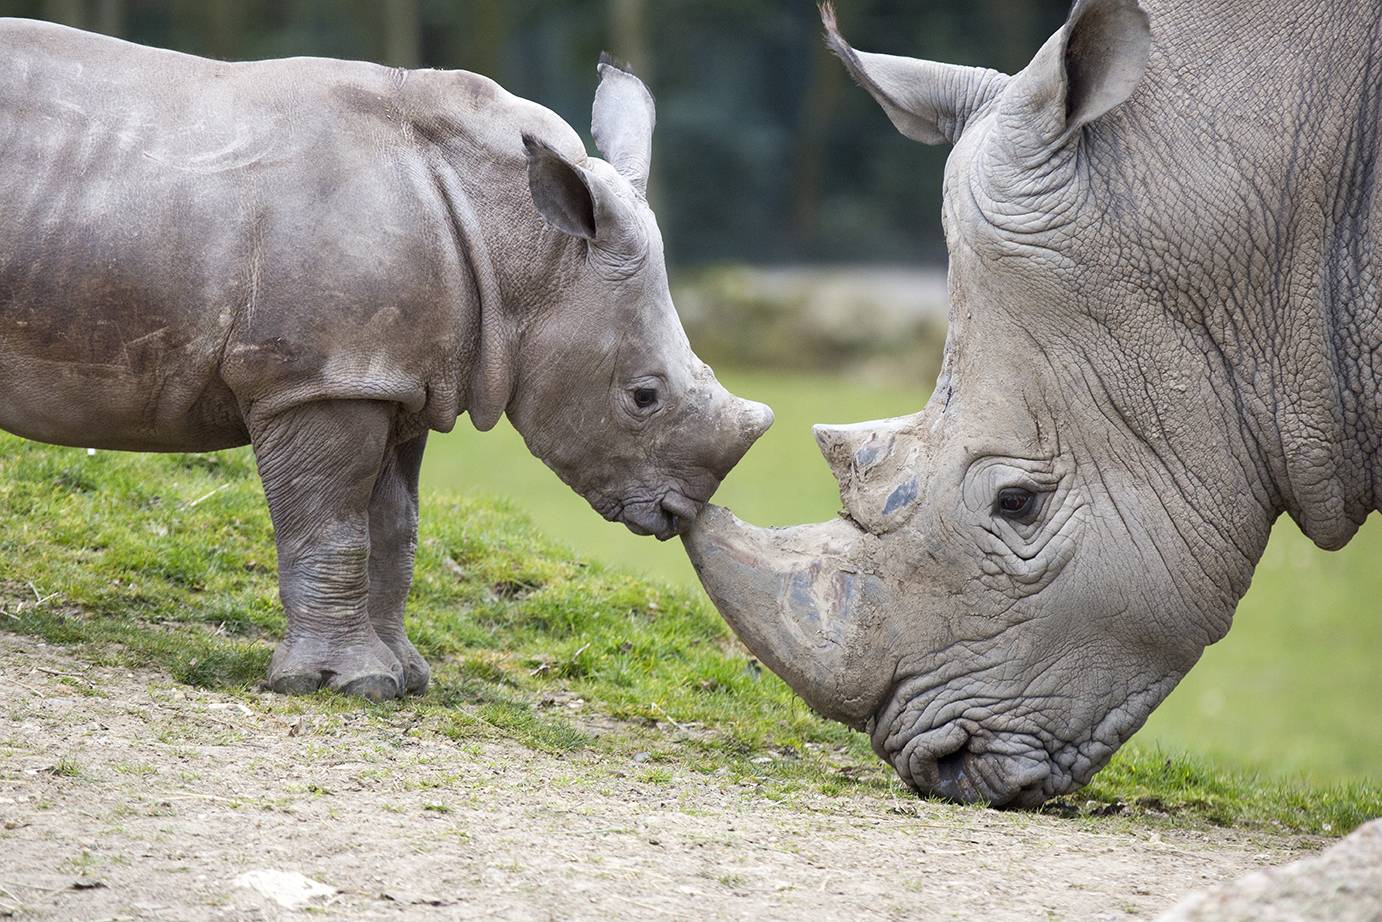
(416, 673)
(368, 670)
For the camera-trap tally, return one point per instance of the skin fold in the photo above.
(1163, 335)
(327, 260)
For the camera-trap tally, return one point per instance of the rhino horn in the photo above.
(805, 602)
(856, 448)
(878, 465)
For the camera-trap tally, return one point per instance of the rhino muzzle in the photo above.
(819, 605)
(671, 512)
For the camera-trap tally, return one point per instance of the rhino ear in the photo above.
(926, 101)
(622, 121)
(561, 190)
(1088, 68)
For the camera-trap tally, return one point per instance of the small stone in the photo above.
(288, 889)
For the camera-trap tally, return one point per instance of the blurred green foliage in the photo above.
(764, 151)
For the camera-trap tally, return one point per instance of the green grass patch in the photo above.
(1143, 781)
(168, 561)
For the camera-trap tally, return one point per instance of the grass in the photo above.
(168, 561)
(1293, 688)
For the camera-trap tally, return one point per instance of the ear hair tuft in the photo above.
(833, 40)
(609, 60)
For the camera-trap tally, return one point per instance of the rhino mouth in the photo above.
(1013, 763)
(965, 770)
(665, 518)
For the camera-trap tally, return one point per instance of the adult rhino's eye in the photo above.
(1015, 503)
(645, 398)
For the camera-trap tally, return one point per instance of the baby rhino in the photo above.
(327, 260)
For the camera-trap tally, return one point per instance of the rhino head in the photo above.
(1024, 569)
(609, 394)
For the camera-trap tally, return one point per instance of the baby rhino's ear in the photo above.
(622, 123)
(561, 190)
(584, 202)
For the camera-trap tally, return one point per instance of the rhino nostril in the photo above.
(951, 768)
(953, 779)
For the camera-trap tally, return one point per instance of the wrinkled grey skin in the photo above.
(1165, 329)
(327, 260)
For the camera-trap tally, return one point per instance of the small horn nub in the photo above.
(853, 449)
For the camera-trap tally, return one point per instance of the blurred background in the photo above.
(752, 110)
(808, 264)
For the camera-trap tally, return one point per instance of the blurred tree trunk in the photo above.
(487, 25)
(110, 17)
(808, 159)
(224, 28)
(628, 31)
(402, 33)
(67, 12)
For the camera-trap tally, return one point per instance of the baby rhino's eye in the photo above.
(1015, 503)
(645, 397)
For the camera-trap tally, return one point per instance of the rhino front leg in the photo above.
(393, 545)
(319, 463)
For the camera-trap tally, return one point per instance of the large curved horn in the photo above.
(806, 602)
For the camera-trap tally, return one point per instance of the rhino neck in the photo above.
(512, 260)
(1306, 351)
(1249, 154)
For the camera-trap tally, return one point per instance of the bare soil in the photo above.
(126, 796)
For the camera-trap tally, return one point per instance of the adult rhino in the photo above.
(1164, 334)
(327, 260)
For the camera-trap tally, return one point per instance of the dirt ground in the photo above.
(125, 796)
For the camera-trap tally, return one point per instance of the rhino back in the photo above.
(184, 239)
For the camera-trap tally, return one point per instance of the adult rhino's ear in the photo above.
(622, 121)
(563, 192)
(1087, 69)
(926, 101)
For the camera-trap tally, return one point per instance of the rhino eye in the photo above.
(1015, 503)
(645, 398)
